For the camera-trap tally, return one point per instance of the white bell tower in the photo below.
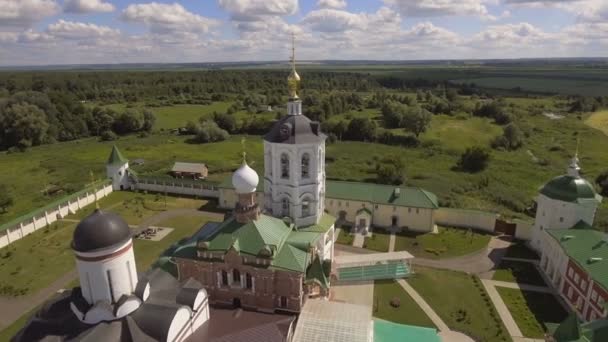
(294, 162)
(117, 169)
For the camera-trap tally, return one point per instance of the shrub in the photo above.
(108, 136)
(474, 159)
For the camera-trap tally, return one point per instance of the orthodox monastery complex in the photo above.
(274, 255)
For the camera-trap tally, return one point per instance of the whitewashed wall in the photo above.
(40, 220)
(202, 190)
(461, 218)
(523, 231)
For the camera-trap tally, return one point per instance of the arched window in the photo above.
(305, 208)
(285, 207)
(236, 276)
(284, 166)
(305, 165)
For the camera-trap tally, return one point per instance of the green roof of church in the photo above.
(326, 221)
(571, 330)
(569, 189)
(116, 157)
(289, 247)
(315, 273)
(581, 245)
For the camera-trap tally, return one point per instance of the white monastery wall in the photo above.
(38, 221)
(179, 189)
(523, 231)
(460, 218)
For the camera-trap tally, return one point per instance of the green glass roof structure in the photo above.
(385, 331)
(587, 247)
(569, 189)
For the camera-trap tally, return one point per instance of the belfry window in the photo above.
(305, 208)
(284, 166)
(285, 207)
(305, 165)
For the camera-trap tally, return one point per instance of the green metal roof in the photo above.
(369, 192)
(583, 244)
(385, 331)
(571, 330)
(381, 194)
(325, 223)
(116, 157)
(302, 239)
(290, 258)
(569, 189)
(315, 273)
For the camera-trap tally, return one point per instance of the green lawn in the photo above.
(518, 272)
(407, 313)
(345, 238)
(379, 240)
(460, 300)
(35, 261)
(447, 243)
(531, 310)
(519, 250)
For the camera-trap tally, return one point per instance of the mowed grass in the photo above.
(588, 87)
(598, 120)
(35, 261)
(447, 243)
(379, 241)
(461, 302)
(408, 311)
(531, 310)
(518, 272)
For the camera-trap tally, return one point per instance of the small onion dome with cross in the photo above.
(100, 230)
(245, 180)
(570, 187)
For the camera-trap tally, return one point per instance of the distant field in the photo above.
(598, 120)
(542, 85)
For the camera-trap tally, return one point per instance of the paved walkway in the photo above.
(391, 243)
(523, 287)
(475, 263)
(439, 323)
(358, 240)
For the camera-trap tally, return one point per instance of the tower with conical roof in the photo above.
(294, 162)
(565, 201)
(117, 169)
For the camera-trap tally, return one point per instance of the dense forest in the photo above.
(45, 107)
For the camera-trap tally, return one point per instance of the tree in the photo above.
(494, 110)
(23, 125)
(390, 170)
(209, 131)
(108, 135)
(474, 159)
(392, 114)
(602, 181)
(149, 120)
(511, 139)
(225, 121)
(361, 129)
(128, 122)
(6, 198)
(416, 120)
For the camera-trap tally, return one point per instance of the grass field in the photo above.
(378, 241)
(518, 272)
(449, 242)
(598, 120)
(407, 313)
(531, 310)
(460, 300)
(345, 238)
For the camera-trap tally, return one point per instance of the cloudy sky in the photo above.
(36, 32)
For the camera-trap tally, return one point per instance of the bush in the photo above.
(108, 136)
(474, 159)
(511, 139)
(209, 131)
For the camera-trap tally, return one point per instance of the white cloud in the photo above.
(336, 4)
(242, 10)
(331, 20)
(75, 30)
(167, 18)
(87, 6)
(23, 13)
(433, 8)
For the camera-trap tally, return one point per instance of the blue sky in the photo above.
(121, 31)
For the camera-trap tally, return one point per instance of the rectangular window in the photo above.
(417, 211)
(110, 285)
(561, 219)
(409, 210)
(570, 272)
(583, 284)
(569, 292)
(283, 301)
(576, 278)
(394, 208)
(376, 206)
(248, 281)
(593, 295)
(224, 278)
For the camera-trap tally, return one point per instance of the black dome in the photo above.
(295, 129)
(99, 230)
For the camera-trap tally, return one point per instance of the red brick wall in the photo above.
(589, 308)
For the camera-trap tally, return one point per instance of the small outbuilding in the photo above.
(189, 170)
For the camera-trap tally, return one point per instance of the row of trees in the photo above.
(34, 118)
